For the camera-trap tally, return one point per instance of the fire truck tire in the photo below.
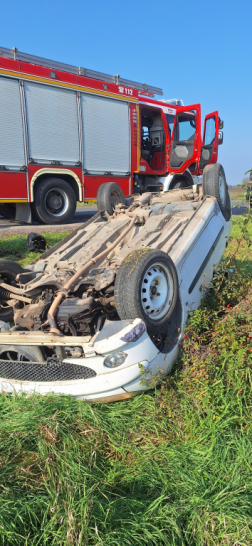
(214, 184)
(108, 196)
(54, 201)
(7, 210)
(8, 272)
(179, 185)
(146, 287)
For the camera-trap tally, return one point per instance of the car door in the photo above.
(209, 148)
(186, 139)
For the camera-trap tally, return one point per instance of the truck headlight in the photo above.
(115, 359)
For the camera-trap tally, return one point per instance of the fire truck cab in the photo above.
(172, 152)
(66, 130)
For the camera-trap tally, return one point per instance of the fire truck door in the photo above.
(209, 148)
(186, 139)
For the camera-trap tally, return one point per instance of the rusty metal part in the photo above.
(133, 206)
(144, 199)
(20, 298)
(173, 196)
(8, 294)
(141, 215)
(78, 274)
(12, 289)
(31, 316)
(140, 201)
(106, 301)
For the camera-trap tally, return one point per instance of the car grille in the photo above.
(50, 371)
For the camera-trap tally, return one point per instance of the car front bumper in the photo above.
(143, 361)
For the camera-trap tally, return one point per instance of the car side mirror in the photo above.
(221, 124)
(220, 138)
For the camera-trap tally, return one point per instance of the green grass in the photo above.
(169, 467)
(242, 233)
(86, 204)
(237, 193)
(14, 247)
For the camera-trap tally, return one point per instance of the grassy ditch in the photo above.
(170, 467)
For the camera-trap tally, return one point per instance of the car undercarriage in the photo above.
(125, 280)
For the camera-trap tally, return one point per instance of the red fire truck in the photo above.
(66, 130)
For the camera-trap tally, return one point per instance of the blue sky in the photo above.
(195, 50)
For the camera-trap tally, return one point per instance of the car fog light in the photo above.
(114, 360)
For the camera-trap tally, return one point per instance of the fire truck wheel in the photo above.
(108, 196)
(214, 184)
(146, 287)
(7, 210)
(54, 201)
(179, 185)
(8, 272)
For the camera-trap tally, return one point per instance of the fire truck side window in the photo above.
(209, 131)
(185, 127)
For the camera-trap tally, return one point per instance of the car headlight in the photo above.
(115, 359)
(135, 333)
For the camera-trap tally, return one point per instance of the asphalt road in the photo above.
(10, 227)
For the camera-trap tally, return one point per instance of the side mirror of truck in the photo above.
(220, 137)
(221, 123)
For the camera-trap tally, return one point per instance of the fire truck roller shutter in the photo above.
(106, 135)
(52, 118)
(11, 124)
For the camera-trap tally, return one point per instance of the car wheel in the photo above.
(54, 201)
(14, 354)
(214, 184)
(146, 287)
(108, 196)
(8, 272)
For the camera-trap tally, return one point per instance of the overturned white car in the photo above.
(110, 301)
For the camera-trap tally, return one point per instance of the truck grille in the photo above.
(50, 371)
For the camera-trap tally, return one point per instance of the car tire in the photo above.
(8, 272)
(20, 352)
(54, 201)
(7, 210)
(141, 274)
(108, 196)
(214, 184)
